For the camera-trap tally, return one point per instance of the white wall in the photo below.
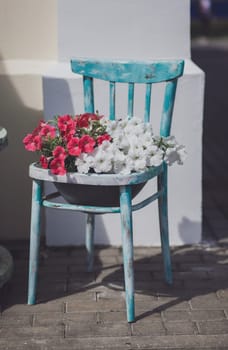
(144, 29)
(123, 28)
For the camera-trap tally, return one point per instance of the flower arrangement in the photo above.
(90, 143)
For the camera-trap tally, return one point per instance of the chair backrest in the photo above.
(131, 72)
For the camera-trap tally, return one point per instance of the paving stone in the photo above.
(15, 320)
(93, 306)
(51, 291)
(140, 266)
(110, 294)
(173, 303)
(147, 251)
(191, 275)
(47, 320)
(146, 259)
(200, 315)
(210, 301)
(51, 306)
(213, 327)
(192, 258)
(197, 341)
(11, 344)
(113, 316)
(222, 293)
(31, 332)
(155, 327)
(157, 286)
(193, 266)
(82, 276)
(145, 297)
(176, 315)
(87, 330)
(110, 275)
(108, 251)
(218, 273)
(79, 286)
(183, 327)
(155, 342)
(206, 285)
(90, 343)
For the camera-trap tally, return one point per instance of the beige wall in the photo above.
(28, 29)
(28, 41)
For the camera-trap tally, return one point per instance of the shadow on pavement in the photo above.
(200, 277)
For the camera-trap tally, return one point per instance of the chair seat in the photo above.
(38, 173)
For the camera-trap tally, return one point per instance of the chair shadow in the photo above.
(197, 271)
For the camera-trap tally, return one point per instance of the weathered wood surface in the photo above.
(129, 71)
(36, 172)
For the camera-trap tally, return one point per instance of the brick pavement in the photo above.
(80, 310)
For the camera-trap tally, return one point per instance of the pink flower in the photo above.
(48, 130)
(59, 152)
(44, 161)
(57, 166)
(74, 147)
(87, 143)
(32, 142)
(84, 119)
(104, 137)
(66, 125)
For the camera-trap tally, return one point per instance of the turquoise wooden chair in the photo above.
(131, 73)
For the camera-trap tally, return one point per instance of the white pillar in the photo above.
(136, 29)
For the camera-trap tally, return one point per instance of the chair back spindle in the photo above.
(131, 90)
(147, 102)
(112, 103)
(166, 118)
(88, 94)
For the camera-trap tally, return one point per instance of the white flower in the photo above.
(121, 165)
(102, 162)
(112, 126)
(182, 154)
(137, 157)
(121, 142)
(133, 147)
(171, 156)
(107, 146)
(122, 123)
(83, 163)
(147, 139)
(140, 164)
(148, 128)
(155, 158)
(134, 121)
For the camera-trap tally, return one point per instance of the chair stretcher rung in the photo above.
(97, 210)
(147, 201)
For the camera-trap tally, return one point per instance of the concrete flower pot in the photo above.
(93, 195)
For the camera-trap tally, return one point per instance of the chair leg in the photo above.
(127, 244)
(90, 224)
(164, 227)
(34, 240)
